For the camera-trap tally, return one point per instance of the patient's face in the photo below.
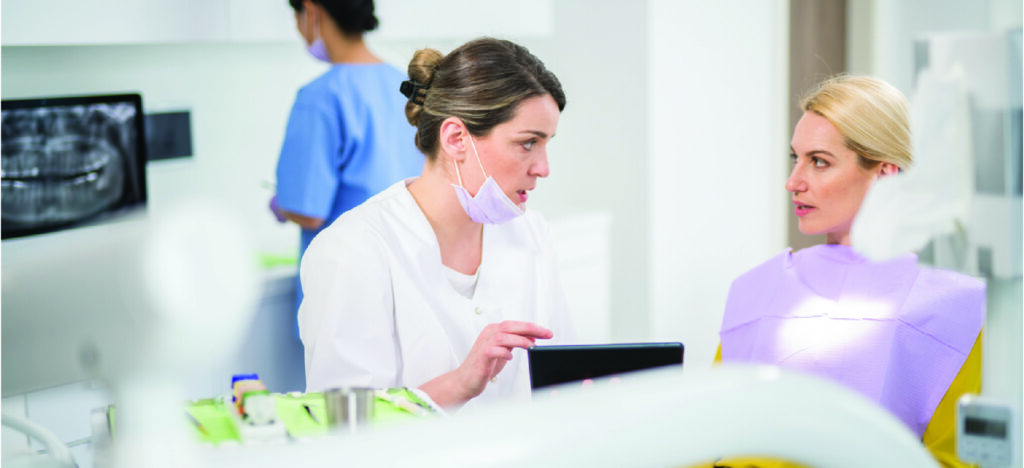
(827, 183)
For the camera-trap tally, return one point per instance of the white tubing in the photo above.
(53, 445)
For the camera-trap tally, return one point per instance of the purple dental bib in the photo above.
(894, 331)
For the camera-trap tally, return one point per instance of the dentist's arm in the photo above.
(308, 223)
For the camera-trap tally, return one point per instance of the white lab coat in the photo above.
(379, 311)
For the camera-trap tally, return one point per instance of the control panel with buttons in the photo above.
(987, 432)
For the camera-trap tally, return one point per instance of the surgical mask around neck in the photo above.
(490, 205)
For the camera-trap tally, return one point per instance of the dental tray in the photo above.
(298, 415)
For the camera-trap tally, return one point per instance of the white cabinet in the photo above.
(261, 20)
(464, 19)
(90, 22)
(96, 22)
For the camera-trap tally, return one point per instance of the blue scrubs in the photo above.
(347, 139)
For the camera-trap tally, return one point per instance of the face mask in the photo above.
(317, 49)
(490, 205)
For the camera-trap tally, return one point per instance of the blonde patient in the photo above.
(903, 335)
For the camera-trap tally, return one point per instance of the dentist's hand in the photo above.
(493, 349)
(277, 210)
(488, 356)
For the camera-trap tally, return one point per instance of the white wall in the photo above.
(599, 159)
(717, 91)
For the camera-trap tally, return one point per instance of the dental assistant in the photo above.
(346, 138)
(441, 281)
(904, 335)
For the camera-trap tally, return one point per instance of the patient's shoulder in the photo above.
(765, 273)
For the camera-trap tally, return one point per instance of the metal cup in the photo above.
(348, 408)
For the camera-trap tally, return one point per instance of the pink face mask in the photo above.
(317, 49)
(490, 205)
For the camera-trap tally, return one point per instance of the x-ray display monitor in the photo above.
(69, 161)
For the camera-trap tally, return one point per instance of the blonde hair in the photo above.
(482, 83)
(872, 115)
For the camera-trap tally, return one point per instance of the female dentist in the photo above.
(903, 335)
(441, 280)
(346, 138)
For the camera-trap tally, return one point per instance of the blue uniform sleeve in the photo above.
(310, 161)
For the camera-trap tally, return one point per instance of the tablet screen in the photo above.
(553, 365)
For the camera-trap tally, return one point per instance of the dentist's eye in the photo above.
(792, 158)
(818, 162)
(528, 145)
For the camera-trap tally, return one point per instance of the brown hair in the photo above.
(482, 83)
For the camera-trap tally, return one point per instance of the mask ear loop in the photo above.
(477, 156)
(459, 175)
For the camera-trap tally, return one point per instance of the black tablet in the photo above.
(553, 365)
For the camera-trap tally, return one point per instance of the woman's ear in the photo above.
(311, 9)
(453, 136)
(888, 169)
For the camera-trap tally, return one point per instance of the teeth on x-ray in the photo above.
(64, 164)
